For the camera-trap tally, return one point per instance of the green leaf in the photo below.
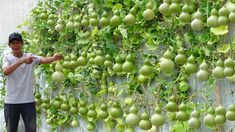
(203, 38)
(110, 46)
(123, 31)
(223, 48)
(94, 31)
(206, 51)
(211, 81)
(180, 127)
(111, 72)
(19, 26)
(127, 2)
(117, 7)
(109, 3)
(134, 40)
(157, 41)
(150, 44)
(120, 92)
(213, 40)
(101, 92)
(221, 30)
(79, 77)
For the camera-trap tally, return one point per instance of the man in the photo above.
(19, 100)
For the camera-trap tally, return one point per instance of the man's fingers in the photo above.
(59, 56)
(32, 57)
(29, 61)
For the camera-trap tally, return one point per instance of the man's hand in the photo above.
(27, 60)
(58, 57)
(11, 68)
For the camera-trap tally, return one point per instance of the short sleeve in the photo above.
(5, 62)
(36, 61)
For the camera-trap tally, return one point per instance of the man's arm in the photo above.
(47, 60)
(11, 68)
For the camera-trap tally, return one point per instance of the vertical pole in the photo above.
(217, 103)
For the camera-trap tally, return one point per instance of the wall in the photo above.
(13, 13)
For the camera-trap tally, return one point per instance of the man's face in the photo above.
(16, 46)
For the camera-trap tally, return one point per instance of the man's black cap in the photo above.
(15, 36)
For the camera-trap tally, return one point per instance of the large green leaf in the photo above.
(180, 127)
(223, 48)
(213, 39)
(221, 30)
(123, 31)
(117, 7)
(150, 44)
(94, 31)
